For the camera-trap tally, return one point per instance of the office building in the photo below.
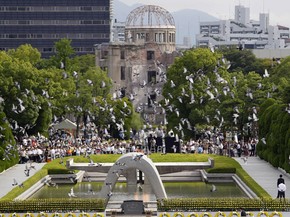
(242, 32)
(242, 14)
(43, 22)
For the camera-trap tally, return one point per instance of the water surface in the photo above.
(144, 192)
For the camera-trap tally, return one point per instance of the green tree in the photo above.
(274, 119)
(184, 91)
(136, 122)
(26, 53)
(201, 91)
(8, 149)
(91, 85)
(280, 80)
(83, 63)
(245, 61)
(64, 52)
(17, 83)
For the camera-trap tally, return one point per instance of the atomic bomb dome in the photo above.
(151, 24)
(150, 15)
(138, 63)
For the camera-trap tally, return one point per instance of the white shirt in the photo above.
(192, 148)
(282, 187)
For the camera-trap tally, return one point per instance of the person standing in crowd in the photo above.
(281, 191)
(239, 149)
(279, 181)
(253, 148)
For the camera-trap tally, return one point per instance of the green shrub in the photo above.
(222, 170)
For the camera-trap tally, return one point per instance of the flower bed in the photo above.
(52, 205)
(220, 204)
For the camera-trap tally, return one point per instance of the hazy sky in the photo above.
(279, 10)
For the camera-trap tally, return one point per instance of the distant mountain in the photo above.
(121, 10)
(186, 21)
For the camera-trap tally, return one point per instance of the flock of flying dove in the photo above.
(211, 93)
(18, 108)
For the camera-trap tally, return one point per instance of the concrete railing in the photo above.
(38, 185)
(163, 168)
(244, 187)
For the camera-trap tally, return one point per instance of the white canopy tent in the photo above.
(66, 125)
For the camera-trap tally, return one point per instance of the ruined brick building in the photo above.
(138, 65)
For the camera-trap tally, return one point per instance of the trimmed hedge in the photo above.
(59, 171)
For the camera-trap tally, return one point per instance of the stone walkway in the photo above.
(16, 172)
(265, 174)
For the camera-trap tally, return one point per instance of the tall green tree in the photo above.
(200, 91)
(274, 118)
(26, 53)
(64, 53)
(8, 149)
(17, 84)
(83, 63)
(184, 91)
(245, 61)
(91, 85)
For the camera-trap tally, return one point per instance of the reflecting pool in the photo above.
(141, 192)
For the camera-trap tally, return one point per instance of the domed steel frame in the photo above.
(155, 16)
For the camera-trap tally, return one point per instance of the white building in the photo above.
(242, 14)
(118, 31)
(243, 32)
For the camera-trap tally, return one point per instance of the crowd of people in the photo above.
(227, 148)
(62, 143)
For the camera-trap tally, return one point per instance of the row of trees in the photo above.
(205, 89)
(211, 95)
(36, 93)
(274, 121)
